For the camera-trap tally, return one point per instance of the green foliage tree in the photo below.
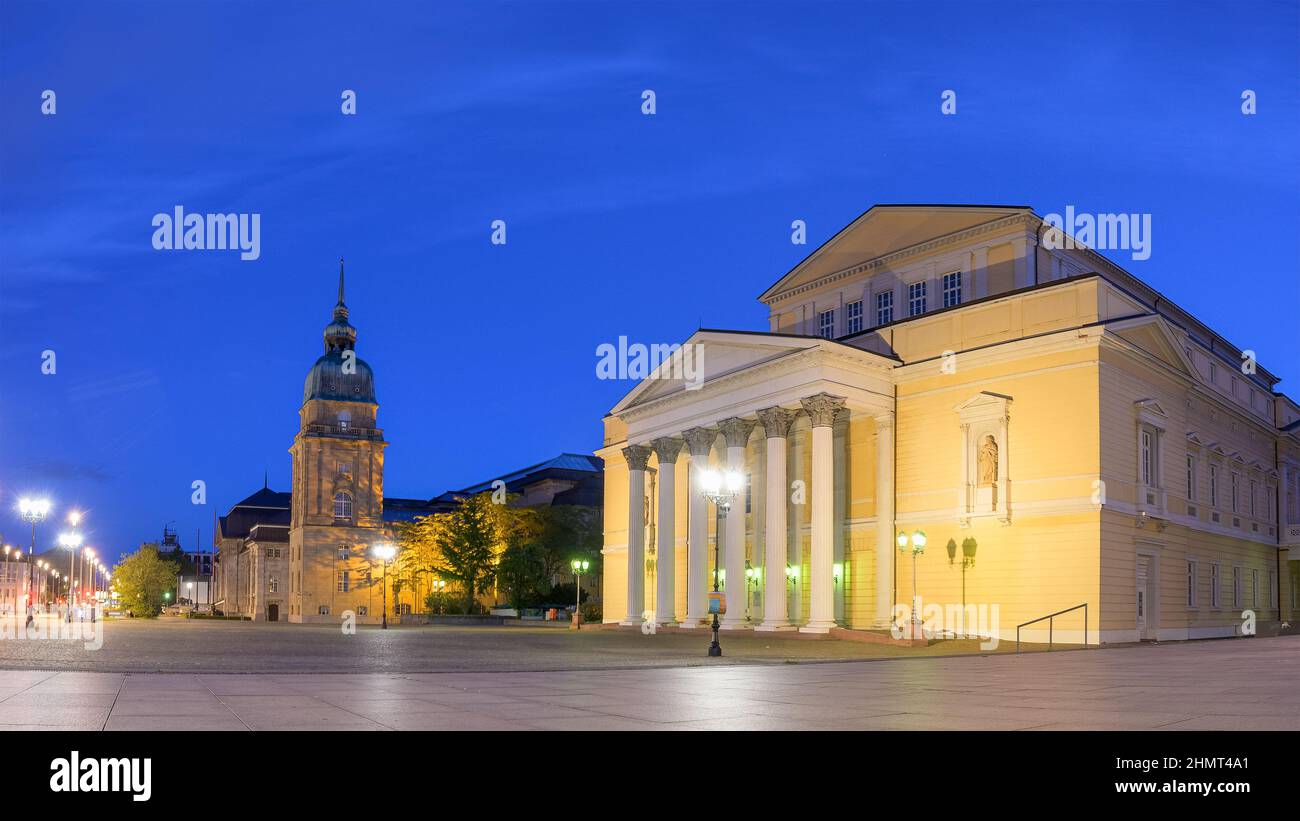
(461, 546)
(142, 578)
(521, 575)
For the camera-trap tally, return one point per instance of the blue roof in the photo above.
(565, 461)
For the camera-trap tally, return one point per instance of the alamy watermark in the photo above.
(1101, 232)
(179, 231)
(639, 361)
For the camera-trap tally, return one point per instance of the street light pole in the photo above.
(721, 489)
(915, 628)
(578, 565)
(34, 511)
(385, 552)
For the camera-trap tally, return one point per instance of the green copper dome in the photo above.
(340, 374)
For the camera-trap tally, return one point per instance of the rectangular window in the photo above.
(1148, 458)
(952, 289)
(273, 585)
(1236, 587)
(826, 324)
(1191, 584)
(1272, 588)
(1191, 478)
(323, 610)
(885, 308)
(345, 553)
(343, 581)
(345, 468)
(916, 298)
(1254, 491)
(1254, 588)
(1214, 585)
(853, 317)
(1233, 490)
(1214, 485)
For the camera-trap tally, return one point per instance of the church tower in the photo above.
(338, 483)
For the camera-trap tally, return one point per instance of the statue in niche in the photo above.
(988, 461)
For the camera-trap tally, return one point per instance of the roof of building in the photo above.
(340, 374)
(565, 465)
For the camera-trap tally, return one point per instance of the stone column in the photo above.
(737, 433)
(776, 424)
(636, 456)
(700, 443)
(884, 521)
(822, 409)
(666, 449)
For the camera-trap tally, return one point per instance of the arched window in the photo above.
(342, 505)
(345, 420)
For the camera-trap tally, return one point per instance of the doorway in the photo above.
(273, 612)
(1145, 590)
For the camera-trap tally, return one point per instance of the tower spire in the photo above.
(340, 280)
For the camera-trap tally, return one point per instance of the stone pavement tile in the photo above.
(920, 721)
(595, 723)
(758, 723)
(530, 710)
(39, 700)
(241, 685)
(285, 703)
(186, 723)
(456, 721)
(170, 707)
(80, 683)
(670, 713)
(48, 727)
(89, 718)
(330, 718)
(391, 711)
(1233, 722)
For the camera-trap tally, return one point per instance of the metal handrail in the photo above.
(1050, 625)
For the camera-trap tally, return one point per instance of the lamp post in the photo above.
(88, 556)
(721, 489)
(916, 547)
(70, 541)
(6, 575)
(34, 511)
(438, 585)
(579, 567)
(384, 552)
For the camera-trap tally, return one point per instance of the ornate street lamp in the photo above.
(384, 552)
(70, 541)
(721, 489)
(916, 547)
(34, 511)
(579, 567)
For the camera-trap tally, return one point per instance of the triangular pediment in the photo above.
(1152, 334)
(885, 229)
(706, 356)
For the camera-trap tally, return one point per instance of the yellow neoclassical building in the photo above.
(1062, 433)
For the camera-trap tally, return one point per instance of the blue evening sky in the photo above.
(177, 366)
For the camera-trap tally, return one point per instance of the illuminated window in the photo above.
(344, 580)
(323, 610)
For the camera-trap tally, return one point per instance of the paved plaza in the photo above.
(542, 678)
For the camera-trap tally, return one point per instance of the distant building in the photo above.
(304, 555)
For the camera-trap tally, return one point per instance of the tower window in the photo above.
(345, 468)
(345, 420)
(343, 581)
(342, 505)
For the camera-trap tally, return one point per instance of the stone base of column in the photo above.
(735, 625)
(631, 623)
(669, 622)
(693, 624)
(818, 627)
(776, 627)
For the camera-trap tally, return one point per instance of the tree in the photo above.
(521, 575)
(141, 579)
(462, 545)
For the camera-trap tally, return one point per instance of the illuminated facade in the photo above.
(1061, 432)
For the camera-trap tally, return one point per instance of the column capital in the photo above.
(737, 431)
(776, 421)
(700, 440)
(666, 448)
(637, 456)
(822, 408)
